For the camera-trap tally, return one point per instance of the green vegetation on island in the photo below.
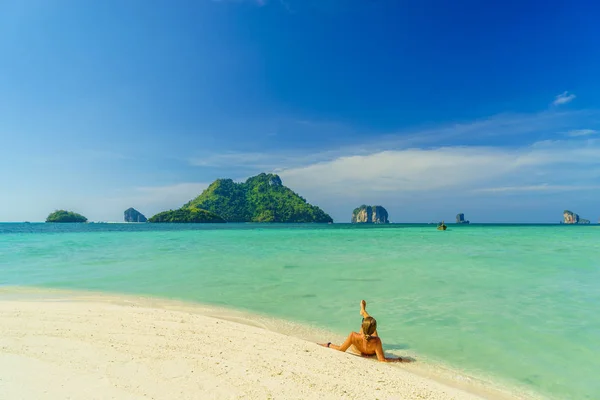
(187, 215)
(65, 216)
(262, 198)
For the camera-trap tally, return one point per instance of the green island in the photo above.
(187, 215)
(65, 216)
(261, 198)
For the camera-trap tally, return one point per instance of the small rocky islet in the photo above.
(571, 218)
(460, 219)
(133, 215)
(370, 215)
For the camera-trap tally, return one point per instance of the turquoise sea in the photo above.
(516, 304)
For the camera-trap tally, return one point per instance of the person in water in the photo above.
(366, 341)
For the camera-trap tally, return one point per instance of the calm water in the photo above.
(518, 303)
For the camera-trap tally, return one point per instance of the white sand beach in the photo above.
(98, 347)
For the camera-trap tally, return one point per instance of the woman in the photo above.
(366, 341)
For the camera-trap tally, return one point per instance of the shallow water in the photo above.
(517, 304)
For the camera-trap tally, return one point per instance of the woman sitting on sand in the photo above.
(367, 341)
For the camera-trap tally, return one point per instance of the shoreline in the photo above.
(287, 355)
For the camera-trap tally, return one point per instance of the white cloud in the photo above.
(479, 131)
(563, 98)
(582, 132)
(405, 170)
(547, 165)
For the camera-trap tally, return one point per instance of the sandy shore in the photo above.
(99, 348)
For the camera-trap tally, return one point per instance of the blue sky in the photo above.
(429, 108)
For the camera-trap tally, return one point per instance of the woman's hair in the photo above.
(369, 326)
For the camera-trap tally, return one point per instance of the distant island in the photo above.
(370, 215)
(460, 219)
(569, 217)
(261, 198)
(65, 216)
(133, 215)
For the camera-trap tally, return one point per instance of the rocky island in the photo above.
(569, 217)
(370, 215)
(65, 216)
(261, 198)
(460, 219)
(133, 215)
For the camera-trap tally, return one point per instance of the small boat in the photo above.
(441, 226)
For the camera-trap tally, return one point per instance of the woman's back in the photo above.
(364, 346)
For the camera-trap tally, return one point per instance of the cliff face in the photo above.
(460, 219)
(133, 215)
(569, 217)
(370, 215)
